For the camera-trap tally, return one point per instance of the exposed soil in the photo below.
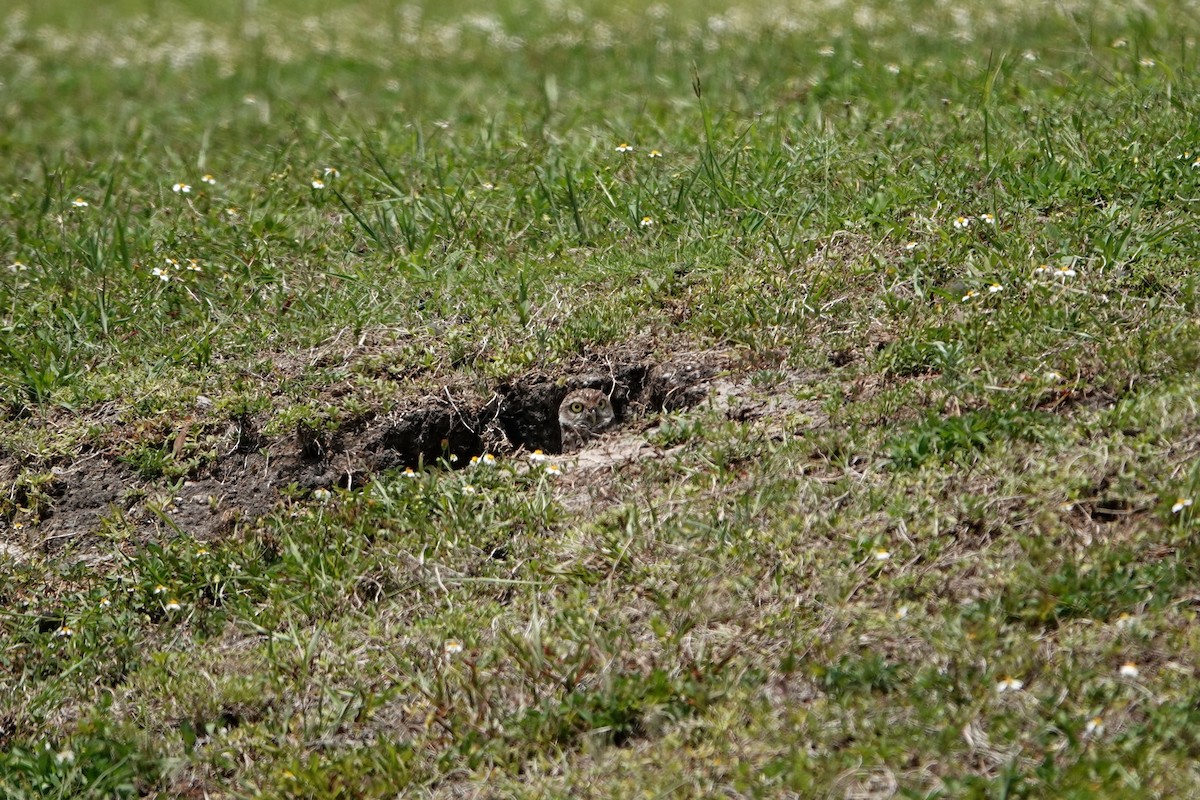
(245, 481)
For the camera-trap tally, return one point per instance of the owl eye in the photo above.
(577, 407)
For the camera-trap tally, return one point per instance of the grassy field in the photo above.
(897, 302)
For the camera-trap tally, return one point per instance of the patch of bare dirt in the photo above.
(253, 471)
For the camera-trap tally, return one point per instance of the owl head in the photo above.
(583, 414)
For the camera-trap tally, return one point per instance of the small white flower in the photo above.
(64, 632)
(624, 147)
(1042, 269)
(317, 183)
(995, 287)
(901, 612)
(104, 602)
(79, 202)
(65, 757)
(160, 589)
(172, 605)
(409, 473)
(1125, 621)
(193, 265)
(468, 489)
(1129, 670)
(209, 179)
(1052, 376)
(452, 647)
(1063, 271)
(1094, 727)
(910, 246)
(646, 222)
(488, 186)
(330, 172)
(1181, 504)
(1029, 55)
(1009, 684)
(17, 266)
(181, 188)
(893, 68)
(882, 555)
(969, 296)
(553, 470)
(962, 223)
(655, 154)
(322, 495)
(1146, 62)
(537, 457)
(988, 218)
(825, 51)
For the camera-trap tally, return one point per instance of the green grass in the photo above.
(967, 464)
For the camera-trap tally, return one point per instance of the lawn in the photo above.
(896, 303)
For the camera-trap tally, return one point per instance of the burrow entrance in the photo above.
(523, 415)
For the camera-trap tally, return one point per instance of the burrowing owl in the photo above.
(583, 414)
